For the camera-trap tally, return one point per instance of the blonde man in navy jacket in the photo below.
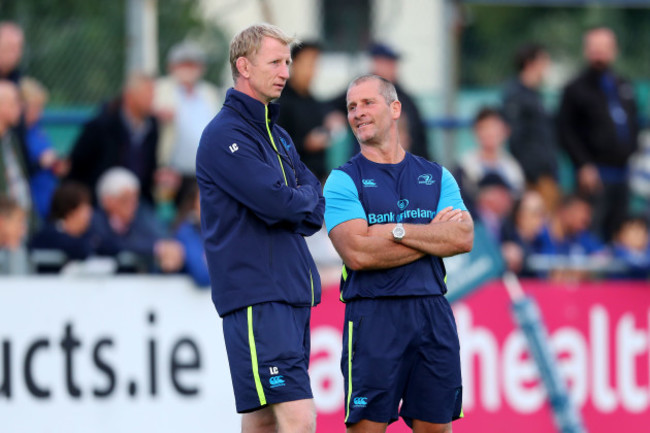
(258, 202)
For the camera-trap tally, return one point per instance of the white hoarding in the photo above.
(122, 354)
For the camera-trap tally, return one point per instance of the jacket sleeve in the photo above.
(314, 220)
(84, 152)
(514, 112)
(195, 262)
(568, 135)
(232, 161)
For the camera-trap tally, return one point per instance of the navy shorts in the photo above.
(401, 349)
(268, 352)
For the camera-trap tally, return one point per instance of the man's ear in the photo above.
(396, 109)
(243, 66)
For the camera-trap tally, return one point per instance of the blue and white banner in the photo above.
(467, 272)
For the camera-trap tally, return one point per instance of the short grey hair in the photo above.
(249, 41)
(386, 88)
(115, 181)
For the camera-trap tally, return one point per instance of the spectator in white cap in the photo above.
(122, 223)
(185, 103)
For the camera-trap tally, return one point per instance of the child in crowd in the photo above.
(632, 248)
(490, 156)
(520, 236)
(566, 239)
(67, 228)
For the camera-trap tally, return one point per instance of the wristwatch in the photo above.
(398, 232)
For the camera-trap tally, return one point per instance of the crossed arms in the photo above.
(362, 247)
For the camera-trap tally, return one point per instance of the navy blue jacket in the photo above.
(258, 200)
(50, 237)
(105, 142)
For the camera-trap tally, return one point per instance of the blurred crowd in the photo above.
(125, 198)
(511, 180)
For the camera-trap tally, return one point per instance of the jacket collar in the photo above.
(253, 109)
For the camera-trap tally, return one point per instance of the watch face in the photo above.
(398, 232)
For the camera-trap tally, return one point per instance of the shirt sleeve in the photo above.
(341, 200)
(449, 193)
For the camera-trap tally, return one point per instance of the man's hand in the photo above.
(317, 140)
(170, 255)
(448, 214)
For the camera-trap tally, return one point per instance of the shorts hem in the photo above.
(270, 401)
(370, 418)
(409, 419)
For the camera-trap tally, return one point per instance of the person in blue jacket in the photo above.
(258, 201)
(392, 216)
(188, 233)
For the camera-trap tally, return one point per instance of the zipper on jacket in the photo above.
(268, 129)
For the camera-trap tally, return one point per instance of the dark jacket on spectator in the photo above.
(299, 115)
(51, 237)
(106, 142)
(140, 238)
(532, 137)
(585, 126)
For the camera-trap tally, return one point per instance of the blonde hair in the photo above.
(31, 90)
(248, 42)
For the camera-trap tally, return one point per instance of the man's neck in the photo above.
(489, 155)
(132, 117)
(68, 227)
(244, 87)
(386, 153)
(118, 225)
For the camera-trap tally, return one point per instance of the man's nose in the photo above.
(359, 112)
(284, 72)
